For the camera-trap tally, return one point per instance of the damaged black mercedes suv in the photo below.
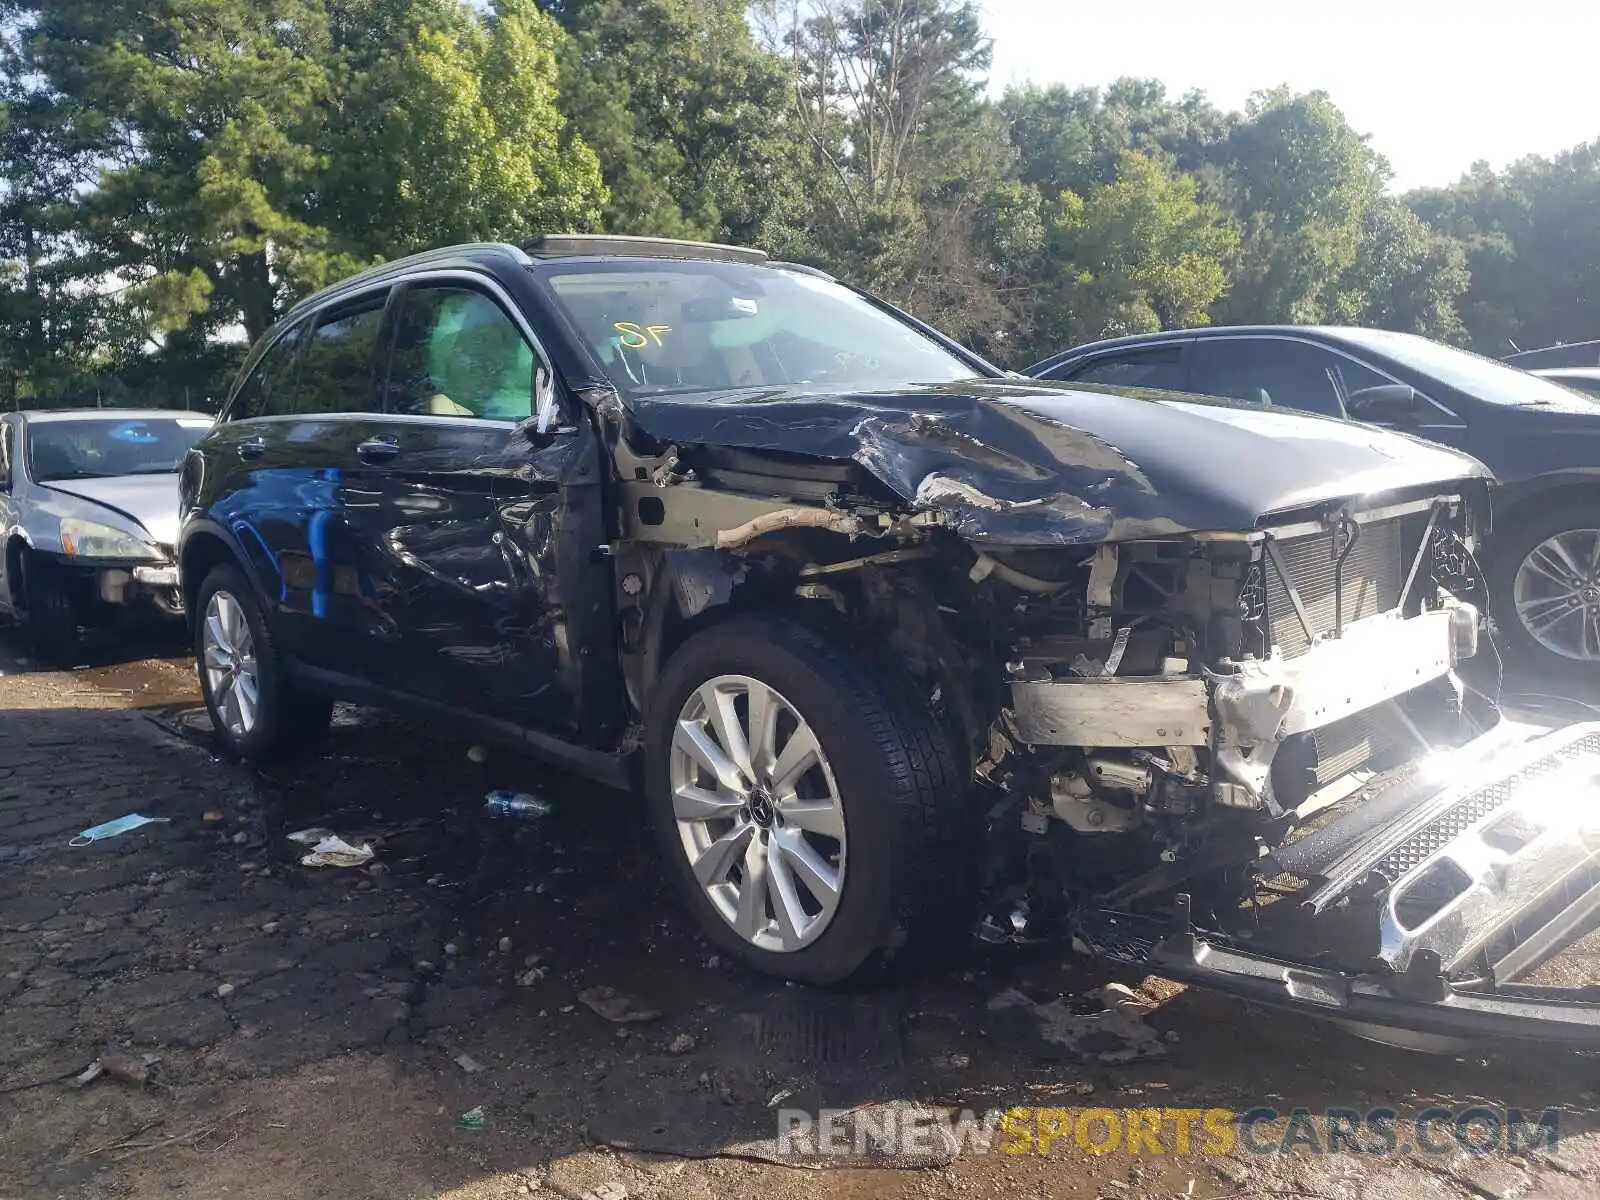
(895, 643)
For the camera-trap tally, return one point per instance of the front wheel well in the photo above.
(202, 554)
(15, 549)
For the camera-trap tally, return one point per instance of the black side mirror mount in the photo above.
(1386, 404)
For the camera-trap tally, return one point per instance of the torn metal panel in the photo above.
(1108, 711)
(696, 517)
(1038, 464)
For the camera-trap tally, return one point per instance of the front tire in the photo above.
(256, 712)
(50, 611)
(810, 808)
(1544, 579)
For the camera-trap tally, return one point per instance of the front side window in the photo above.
(457, 353)
(335, 376)
(1158, 368)
(681, 327)
(1274, 372)
(5, 456)
(265, 391)
(97, 449)
(1481, 378)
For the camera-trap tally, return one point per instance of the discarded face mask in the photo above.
(111, 829)
(334, 851)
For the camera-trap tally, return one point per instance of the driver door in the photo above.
(478, 532)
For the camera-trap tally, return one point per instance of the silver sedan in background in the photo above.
(89, 516)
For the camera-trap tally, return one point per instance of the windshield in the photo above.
(1589, 385)
(96, 449)
(1479, 377)
(671, 326)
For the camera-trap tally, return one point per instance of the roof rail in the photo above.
(465, 250)
(568, 245)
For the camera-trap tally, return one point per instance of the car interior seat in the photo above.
(51, 459)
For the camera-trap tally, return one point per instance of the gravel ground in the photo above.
(326, 1032)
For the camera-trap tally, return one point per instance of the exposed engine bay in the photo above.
(1185, 744)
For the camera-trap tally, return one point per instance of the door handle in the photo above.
(253, 447)
(377, 450)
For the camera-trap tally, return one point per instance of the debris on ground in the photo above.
(478, 754)
(615, 1190)
(111, 829)
(613, 1006)
(310, 837)
(1107, 1037)
(681, 1044)
(1123, 999)
(468, 1064)
(503, 803)
(117, 1063)
(334, 851)
(473, 1118)
(211, 816)
(531, 976)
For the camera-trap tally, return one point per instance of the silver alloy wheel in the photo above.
(229, 658)
(758, 812)
(1556, 593)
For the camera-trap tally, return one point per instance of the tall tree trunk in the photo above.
(255, 295)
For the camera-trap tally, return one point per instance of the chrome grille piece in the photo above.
(1372, 578)
(1477, 805)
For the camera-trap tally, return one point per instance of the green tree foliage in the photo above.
(249, 150)
(689, 116)
(1301, 180)
(1135, 254)
(1531, 236)
(175, 171)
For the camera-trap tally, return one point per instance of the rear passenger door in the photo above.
(298, 442)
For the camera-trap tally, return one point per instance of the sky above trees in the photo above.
(1438, 84)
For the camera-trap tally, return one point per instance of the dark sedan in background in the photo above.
(1541, 440)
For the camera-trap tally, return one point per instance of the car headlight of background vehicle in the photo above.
(90, 539)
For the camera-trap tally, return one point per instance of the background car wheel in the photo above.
(50, 611)
(1545, 589)
(257, 713)
(810, 809)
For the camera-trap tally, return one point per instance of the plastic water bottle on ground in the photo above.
(523, 805)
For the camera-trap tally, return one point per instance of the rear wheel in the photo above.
(810, 809)
(256, 712)
(50, 612)
(1545, 580)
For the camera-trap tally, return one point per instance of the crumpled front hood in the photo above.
(1038, 463)
(149, 500)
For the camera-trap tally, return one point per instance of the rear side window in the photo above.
(1156, 368)
(335, 376)
(265, 391)
(457, 353)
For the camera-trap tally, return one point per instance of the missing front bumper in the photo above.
(1473, 887)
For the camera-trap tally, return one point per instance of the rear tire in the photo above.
(885, 780)
(258, 714)
(50, 612)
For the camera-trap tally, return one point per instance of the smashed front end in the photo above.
(1256, 766)
(1252, 752)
